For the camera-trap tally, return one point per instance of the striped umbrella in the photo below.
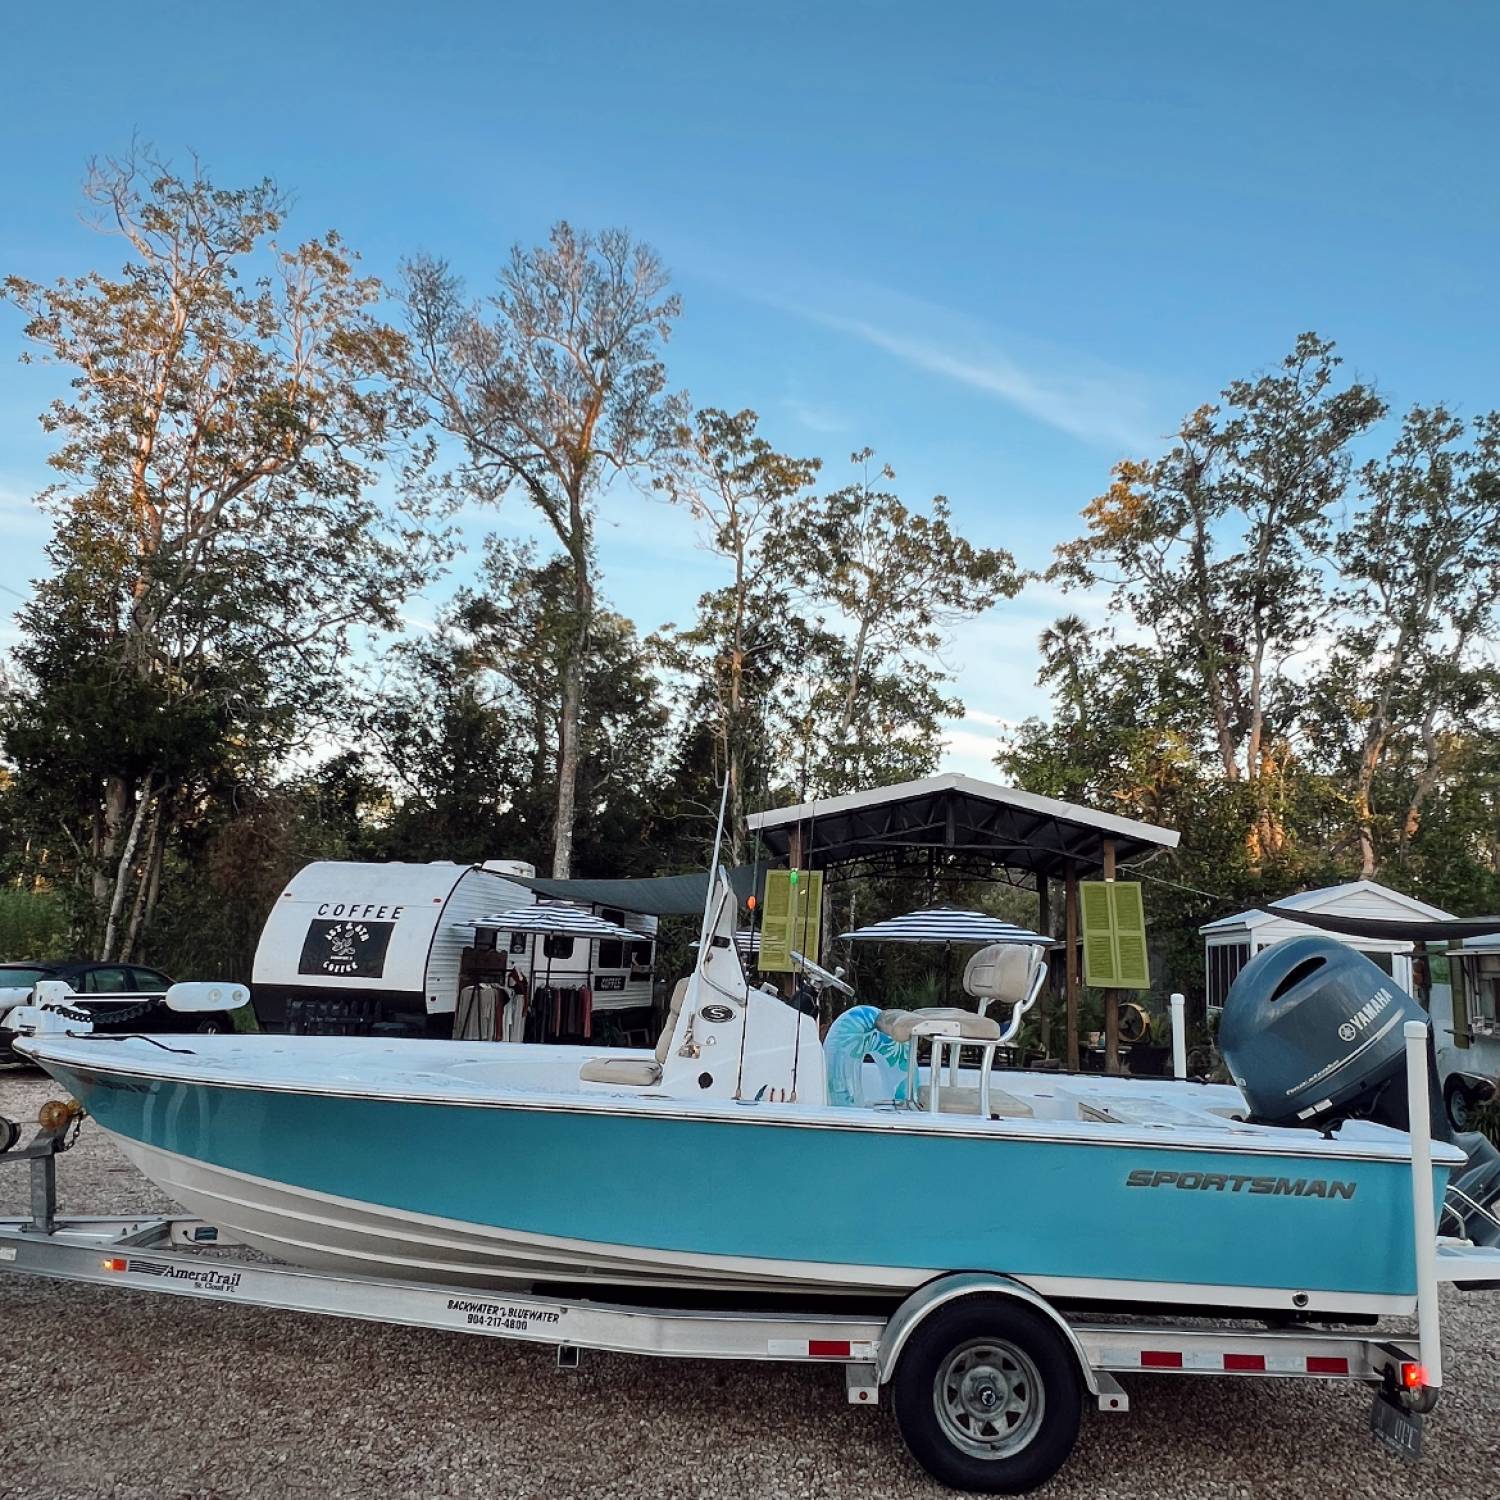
(945, 924)
(560, 918)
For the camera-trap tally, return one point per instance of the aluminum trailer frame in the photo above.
(184, 1257)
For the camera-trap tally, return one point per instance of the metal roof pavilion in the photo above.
(1021, 832)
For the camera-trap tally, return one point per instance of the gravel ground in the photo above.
(126, 1394)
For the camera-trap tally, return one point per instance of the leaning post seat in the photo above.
(1004, 972)
(943, 1026)
(638, 1072)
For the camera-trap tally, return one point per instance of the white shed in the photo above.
(1231, 942)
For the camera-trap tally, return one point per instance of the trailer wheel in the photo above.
(987, 1396)
(1463, 1096)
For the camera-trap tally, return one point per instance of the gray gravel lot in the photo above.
(125, 1394)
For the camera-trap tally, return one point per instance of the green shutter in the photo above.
(1130, 936)
(791, 919)
(1114, 935)
(1098, 933)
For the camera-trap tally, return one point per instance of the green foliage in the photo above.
(1296, 674)
(1486, 1119)
(466, 727)
(232, 404)
(33, 924)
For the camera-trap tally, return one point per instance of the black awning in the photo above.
(1392, 929)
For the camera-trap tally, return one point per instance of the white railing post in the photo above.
(1424, 1213)
(1179, 1036)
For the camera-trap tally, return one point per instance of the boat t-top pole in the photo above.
(713, 874)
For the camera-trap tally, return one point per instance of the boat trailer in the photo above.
(964, 1355)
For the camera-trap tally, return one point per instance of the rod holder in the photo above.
(1177, 1006)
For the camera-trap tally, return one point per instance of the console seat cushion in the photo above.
(937, 1020)
(630, 1072)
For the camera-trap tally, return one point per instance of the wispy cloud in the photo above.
(816, 417)
(1104, 408)
(1067, 389)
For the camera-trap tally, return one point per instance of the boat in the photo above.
(722, 1162)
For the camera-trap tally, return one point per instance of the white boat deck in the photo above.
(1049, 1105)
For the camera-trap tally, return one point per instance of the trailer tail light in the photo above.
(1413, 1375)
(116, 1263)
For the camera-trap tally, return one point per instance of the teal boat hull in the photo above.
(639, 1190)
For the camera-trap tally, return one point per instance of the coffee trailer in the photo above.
(393, 944)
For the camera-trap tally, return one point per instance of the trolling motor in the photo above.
(1312, 1035)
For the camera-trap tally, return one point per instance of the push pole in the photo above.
(1424, 1213)
(1179, 1036)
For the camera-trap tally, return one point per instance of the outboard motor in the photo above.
(1312, 1033)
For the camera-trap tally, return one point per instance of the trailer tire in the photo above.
(988, 1396)
(1463, 1094)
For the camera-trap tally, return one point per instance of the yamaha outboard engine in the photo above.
(1312, 1032)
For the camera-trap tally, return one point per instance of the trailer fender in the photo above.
(945, 1289)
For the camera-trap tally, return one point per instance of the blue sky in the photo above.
(1003, 244)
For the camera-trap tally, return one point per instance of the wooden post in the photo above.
(1044, 1000)
(1111, 997)
(1070, 937)
(1421, 975)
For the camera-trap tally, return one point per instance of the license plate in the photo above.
(1400, 1430)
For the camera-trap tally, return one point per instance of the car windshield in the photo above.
(18, 976)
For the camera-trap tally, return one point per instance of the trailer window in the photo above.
(557, 945)
(611, 953)
(640, 955)
(611, 915)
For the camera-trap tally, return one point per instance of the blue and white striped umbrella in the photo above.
(553, 918)
(945, 924)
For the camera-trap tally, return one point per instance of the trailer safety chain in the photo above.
(73, 1012)
(120, 1017)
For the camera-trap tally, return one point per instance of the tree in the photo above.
(554, 389)
(1283, 689)
(466, 725)
(1420, 564)
(881, 581)
(231, 405)
(1217, 549)
(739, 489)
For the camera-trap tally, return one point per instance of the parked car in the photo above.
(117, 996)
